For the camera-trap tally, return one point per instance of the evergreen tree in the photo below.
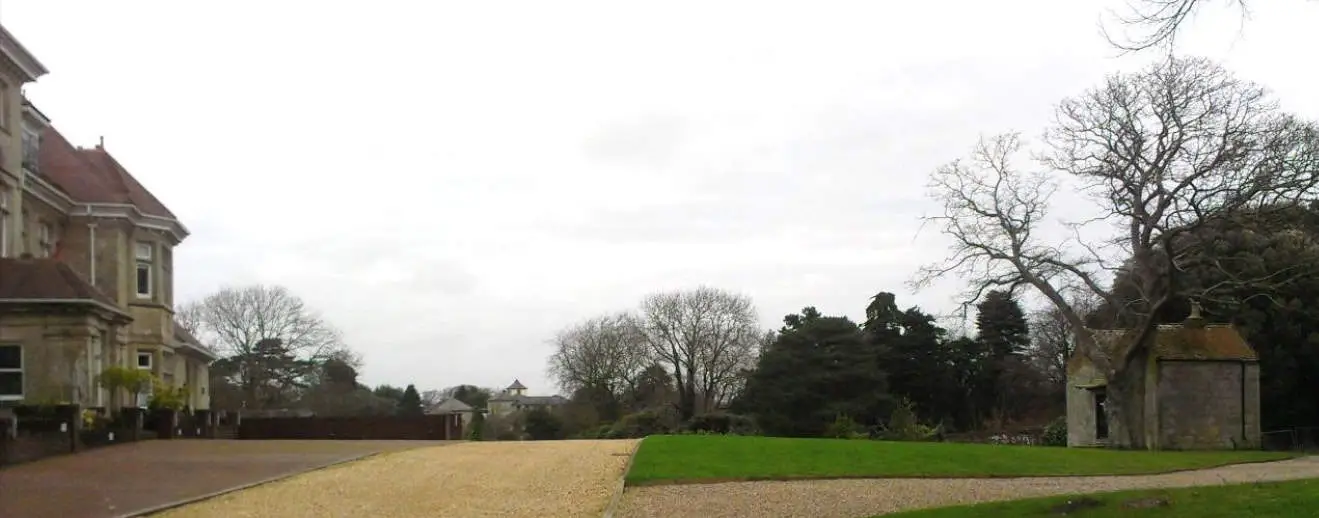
(1002, 325)
(409, 404)
(817, 369)
(1003, 336)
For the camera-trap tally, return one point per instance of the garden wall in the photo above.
(417, 428)
(28, 433)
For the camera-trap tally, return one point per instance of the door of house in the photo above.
(1101, 417)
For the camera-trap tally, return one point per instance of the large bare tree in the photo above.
(269, 341)
(606, 352)
(1162, 152)
(707, 337)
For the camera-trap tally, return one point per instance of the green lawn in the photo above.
(697, 458)
(1274, 500)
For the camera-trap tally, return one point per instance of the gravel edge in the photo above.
(621, 485)
(214, 494)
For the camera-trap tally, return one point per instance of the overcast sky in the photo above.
(449, 183)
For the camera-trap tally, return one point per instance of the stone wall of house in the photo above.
(1254, 435)
(76, 252)
(1080, 417)
(1202, 405)
(55, 356)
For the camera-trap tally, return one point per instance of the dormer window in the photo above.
(145, 253)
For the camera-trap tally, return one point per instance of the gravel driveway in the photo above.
(866, 497)
(541, 479)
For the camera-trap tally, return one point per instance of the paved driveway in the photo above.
(120, 480)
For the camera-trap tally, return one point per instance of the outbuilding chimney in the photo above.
(1194, 320)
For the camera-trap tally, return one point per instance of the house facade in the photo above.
(86, 264)
(515, 399)
(1199, 389)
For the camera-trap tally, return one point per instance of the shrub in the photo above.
(166, 397)
(843, 427)
(1056, 433)
(477, 425)
(641, 424)
(903, 425)
(722, 423)
(542, 425)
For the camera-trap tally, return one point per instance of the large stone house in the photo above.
(1199, 390)
(515, 399)
(86, 264)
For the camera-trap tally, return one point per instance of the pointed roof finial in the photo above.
(101, 143)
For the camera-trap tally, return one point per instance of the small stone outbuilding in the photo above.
(1199, 390)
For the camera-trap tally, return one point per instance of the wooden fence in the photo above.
(417, 428)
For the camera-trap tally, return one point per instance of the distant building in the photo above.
(514, 399)
(453, 406)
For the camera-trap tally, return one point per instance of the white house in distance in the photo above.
(515, 399)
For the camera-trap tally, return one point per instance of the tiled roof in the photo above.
(93, 176)
(46, 280)
(451, 405)
(531, 400)
(517, 385)
(1180, 342)
(1210, 342)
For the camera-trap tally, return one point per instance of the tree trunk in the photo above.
(1125, 405)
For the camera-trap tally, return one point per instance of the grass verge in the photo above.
(1294, 499)
(714, 458)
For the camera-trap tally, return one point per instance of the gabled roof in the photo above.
(93, 176)
(451, 405)
(29, 280)
(517, 385)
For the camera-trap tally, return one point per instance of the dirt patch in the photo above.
(123, 479)
(853, 498)
(495, 479)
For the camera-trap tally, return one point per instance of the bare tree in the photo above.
(1156, 23)
(708, 338)
(270, 340)
(605, 352)
(1053, 338)
(431, 399)
(1163, 152)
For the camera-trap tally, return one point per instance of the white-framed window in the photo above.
(145, 252)
(11, 372)
(144, 359)
(31, 149)
(45, 239)
(4, 220)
